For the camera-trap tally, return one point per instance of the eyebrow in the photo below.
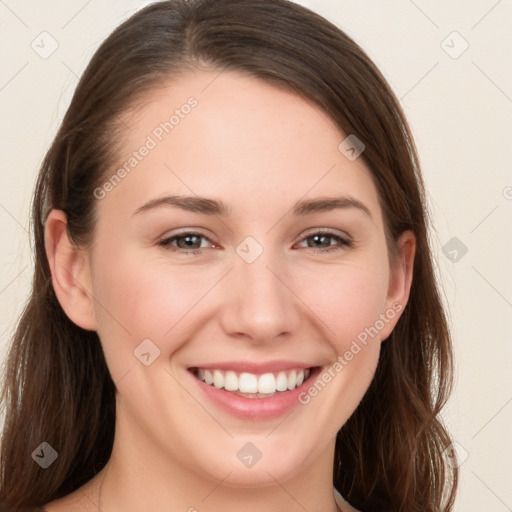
(208, 206)
(329, 203)
(190, 203)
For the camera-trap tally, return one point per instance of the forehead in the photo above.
(235, 137)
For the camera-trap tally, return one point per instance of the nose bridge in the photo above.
(261, 305)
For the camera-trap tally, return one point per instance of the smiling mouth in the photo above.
(250, 385)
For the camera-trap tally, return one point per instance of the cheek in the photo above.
(348, 299)
(349, 302)
(136, 301)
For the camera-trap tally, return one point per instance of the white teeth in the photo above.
(231, 381)
(208, 377)
(218, 379)
(248, 383)
(267, 383)
(292, 380)
(281, 382)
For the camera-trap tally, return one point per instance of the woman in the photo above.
(233, 302)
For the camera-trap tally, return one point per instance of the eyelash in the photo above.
(342, 242)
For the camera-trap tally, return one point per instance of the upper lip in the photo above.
(254, 367)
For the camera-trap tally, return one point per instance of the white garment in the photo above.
(343, 505)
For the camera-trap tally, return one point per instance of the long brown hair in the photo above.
(57, 388)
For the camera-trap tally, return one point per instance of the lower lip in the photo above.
(255, 408)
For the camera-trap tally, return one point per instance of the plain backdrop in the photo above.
(449, 63)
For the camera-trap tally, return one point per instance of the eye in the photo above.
(191, 242)
(321, 241)
(188, 242)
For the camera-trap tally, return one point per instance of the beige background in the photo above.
(460, 109)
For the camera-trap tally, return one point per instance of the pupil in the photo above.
(189, 240)
(318, 238)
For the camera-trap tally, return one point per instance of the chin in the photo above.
(273, 465)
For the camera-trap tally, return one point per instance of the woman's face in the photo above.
(210, 254)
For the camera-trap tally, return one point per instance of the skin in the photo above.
(259, 149)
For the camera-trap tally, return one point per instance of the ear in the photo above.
(400, 281)
(70, 270)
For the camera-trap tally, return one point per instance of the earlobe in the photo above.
(70, 272)
(400, 281)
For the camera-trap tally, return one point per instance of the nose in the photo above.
(260, 304)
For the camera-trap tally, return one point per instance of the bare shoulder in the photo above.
(83, 499)
(73, 502)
